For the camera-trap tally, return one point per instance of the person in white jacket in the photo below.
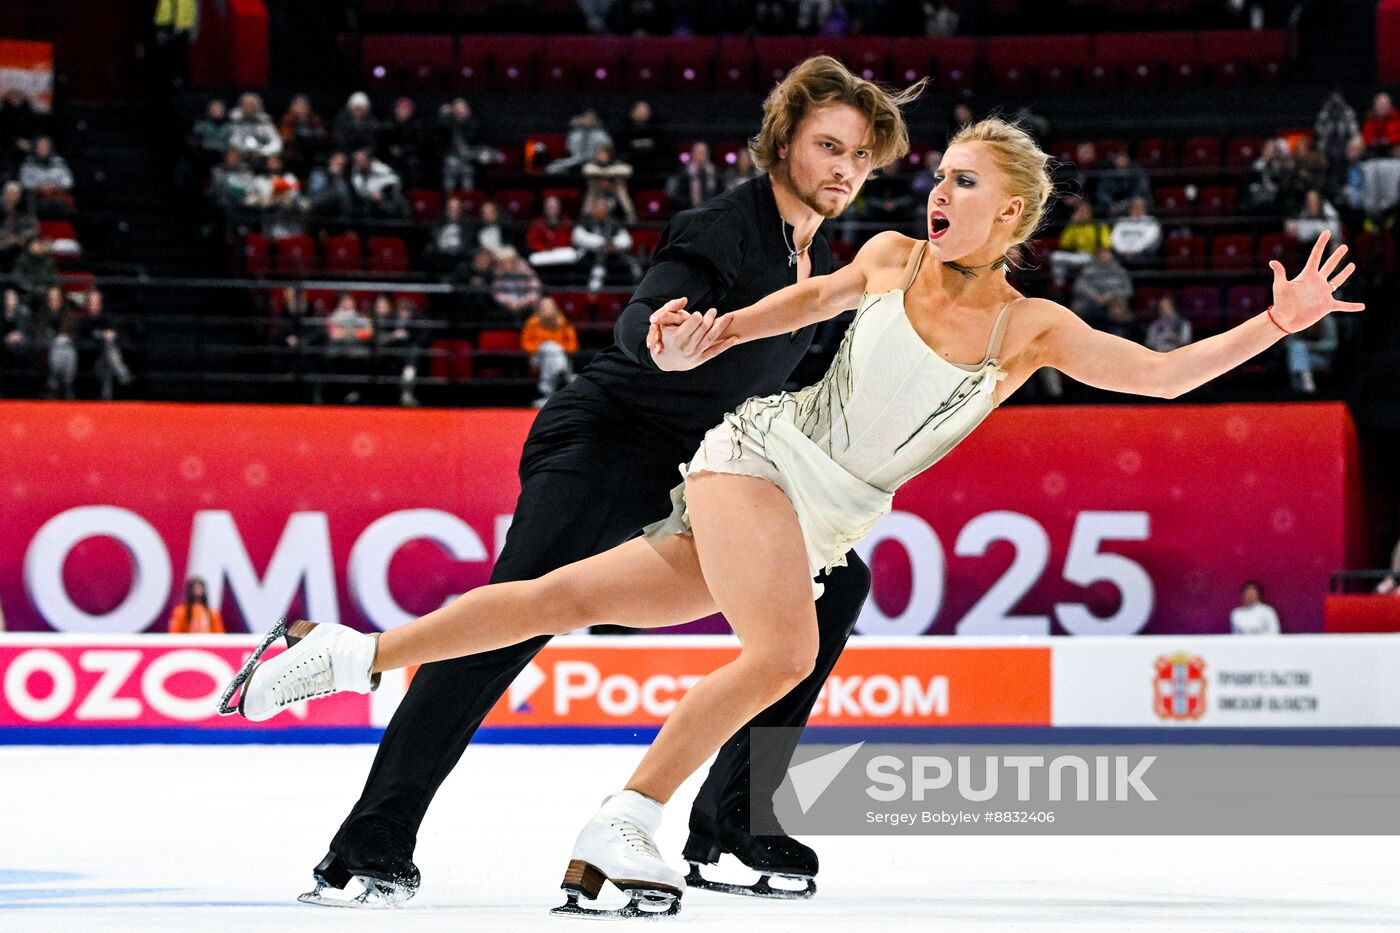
(1138, 234)
(1253, 616)
(601, 237)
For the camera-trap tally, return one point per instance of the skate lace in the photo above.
(636, 838)
(308, 679)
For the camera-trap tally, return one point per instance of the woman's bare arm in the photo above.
(1109, 362)
(692, 338)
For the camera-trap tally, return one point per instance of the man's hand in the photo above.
(679, 340)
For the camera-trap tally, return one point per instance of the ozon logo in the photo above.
(73, 695)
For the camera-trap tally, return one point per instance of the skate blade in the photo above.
(760, 888)
(373, 895)
(226, 705)
(643, 904)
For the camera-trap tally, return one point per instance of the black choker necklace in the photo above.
(971, 271)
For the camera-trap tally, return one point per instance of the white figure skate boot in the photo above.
(319, 660)
(616, 845)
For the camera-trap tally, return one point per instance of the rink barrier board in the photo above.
(1132, 519)
(609, 689)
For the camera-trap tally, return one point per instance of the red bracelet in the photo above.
(1270, 312)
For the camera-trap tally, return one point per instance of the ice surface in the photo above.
(223, 838)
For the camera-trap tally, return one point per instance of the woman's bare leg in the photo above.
(640, 584)
(755, 564)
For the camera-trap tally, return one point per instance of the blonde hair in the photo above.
(1025, 165)
(824, 80)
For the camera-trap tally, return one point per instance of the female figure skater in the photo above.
(789, 483)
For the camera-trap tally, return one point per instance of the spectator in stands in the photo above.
(1390, 584)
(395, 335)
(1253, 616)
(586, 134)
(1168, 330)
(551, 341)
(98, 337)
(886, 202)
(1353, 188)
(231, 181)
(194, 616)
(494, 231)
(303, 134)
(378, 190)
(448, 240)
(1267, 177)
(515, 285)
(604, 176)
(1310, 350)
(477, 276)
(331, 197)
(1098, 284)
(277, 193)
(349, 335)
(550, 236)
(1335, 128)
(34, 269)
(403, 144)
(270, 184)
(1082, 237)
(47, 178)
(697, 182)
(1137, 235)
(1085, 172)
(940, 19)
(297, 328)
(1123, 183)
(1309, 173)
(1382, 127)
(18, 225)
(19, 124)
(211, 133)
(55, 329)
(643, 143)
(251, 129)
(354, 128)
(1121, 322)
(1316, 217)
(741, 171)
(460, 154)
(603, 241)
(16, 338)
(1380, 190)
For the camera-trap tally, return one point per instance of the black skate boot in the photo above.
(769, 850)
(376, 870)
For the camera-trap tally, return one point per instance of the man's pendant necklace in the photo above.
(793, 252)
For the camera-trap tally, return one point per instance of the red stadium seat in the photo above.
(1199, 302)
(1217, 201)
(1243, 302)
(1201, 152)
(775, 56)
(1185, 251)
(652, 204)
(1278, 246)
(342, 253)
(320, 300)
(1156, 153)
(570, 199)
(576, 306)
(1145, 298)
(1127, 58)
(492, 341)
(472, 199)
(689, 61)
(471, 66)
(734, 64)
(644, 243)
(608, 305)
(955, 64)
(518, 203)
(426, 205)
(583, 63)
(867, 56)
(1235, 56)
(1232, 251)
(1107, 148)
(843, 251)
(257, 254)
(912, 59)
(295, 253)
(404, 60)
(513, 60)
(1173, 202)
(387, 254)
(1243, 150)
(1046, 63)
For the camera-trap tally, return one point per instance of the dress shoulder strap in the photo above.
(911, 268)
(999, 331)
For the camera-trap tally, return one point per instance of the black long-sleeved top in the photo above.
(726, 254)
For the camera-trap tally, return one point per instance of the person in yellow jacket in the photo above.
(1082, 237)
(550, 340)
(195, 615)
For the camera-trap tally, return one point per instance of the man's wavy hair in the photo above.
(824, 80)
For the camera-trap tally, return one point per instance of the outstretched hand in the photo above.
(1305, 299)
(681, 340)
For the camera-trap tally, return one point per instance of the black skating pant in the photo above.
(584, 489)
